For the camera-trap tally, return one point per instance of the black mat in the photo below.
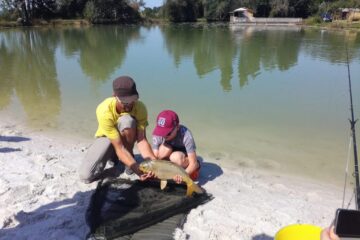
(123, 209)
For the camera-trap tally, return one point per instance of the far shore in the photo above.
(338, 24)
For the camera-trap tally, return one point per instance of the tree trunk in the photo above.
(24, 13)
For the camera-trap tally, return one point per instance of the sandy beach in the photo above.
(41, 196)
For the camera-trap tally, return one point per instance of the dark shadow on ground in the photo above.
(262, 237)
(209, 171)
(57, 220)
(7, 150)
(13, 139)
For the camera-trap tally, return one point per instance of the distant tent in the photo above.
(242, 12)
(123, 209)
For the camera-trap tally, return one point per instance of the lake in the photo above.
(270, 98)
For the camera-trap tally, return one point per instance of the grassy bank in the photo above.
(8, 24)
(337, 24)
(54, 22)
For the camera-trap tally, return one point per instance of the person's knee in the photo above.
(85, 177)
(129, 134)
(178, 158)
(95, 159)
(126, 122)
(127, 127)
(85, 173)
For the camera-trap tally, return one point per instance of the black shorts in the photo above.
(179, 149)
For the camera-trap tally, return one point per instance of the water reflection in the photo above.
(28, 64)
(28, 69)
(330, 45)
(210, 47)
(255, 48)
(5, 75)
(29, 58)
(102, 49)
(217, 47)
(269, 49)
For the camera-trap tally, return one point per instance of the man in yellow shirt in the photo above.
(122, 121)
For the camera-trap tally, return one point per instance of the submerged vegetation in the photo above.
(33, 12)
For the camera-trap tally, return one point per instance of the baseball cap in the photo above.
(124, 88)
(166, 121)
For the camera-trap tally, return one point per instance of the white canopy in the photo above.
(241, 9)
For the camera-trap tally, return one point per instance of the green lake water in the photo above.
(271, 98)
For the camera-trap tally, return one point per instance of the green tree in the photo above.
(279, 8)
(154, 12)
(109, 11)
(181, 10)
(71, 8)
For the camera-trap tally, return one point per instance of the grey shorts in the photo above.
(102, 151)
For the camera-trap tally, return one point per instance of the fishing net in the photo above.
(123, 209)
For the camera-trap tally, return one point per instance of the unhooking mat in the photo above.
(124, 210)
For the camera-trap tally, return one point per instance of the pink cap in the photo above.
(166, 121)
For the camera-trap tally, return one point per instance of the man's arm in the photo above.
(124, 156)
(144, 146)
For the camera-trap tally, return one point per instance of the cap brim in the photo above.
(161, 131)
(129, 99)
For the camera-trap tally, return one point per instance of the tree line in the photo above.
(97, 11)
(124, 11)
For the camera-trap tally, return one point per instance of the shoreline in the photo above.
(41, 194)
(307, 23)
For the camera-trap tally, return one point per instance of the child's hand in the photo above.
(177, 179)
(329, 234)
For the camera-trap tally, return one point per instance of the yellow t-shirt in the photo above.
(107, 117)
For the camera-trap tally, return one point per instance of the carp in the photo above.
(165, 170)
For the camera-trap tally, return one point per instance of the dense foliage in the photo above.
(104, 11)
(95, 10)
(218, 10)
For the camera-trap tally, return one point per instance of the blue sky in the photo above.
(153, 3)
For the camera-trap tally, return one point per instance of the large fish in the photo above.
(165, 170)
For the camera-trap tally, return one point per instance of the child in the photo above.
(175, 142)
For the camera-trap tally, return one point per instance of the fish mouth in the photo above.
(142, 168)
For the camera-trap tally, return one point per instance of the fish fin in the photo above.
(163, 184)
(193, 187)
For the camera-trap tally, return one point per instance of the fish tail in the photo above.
(193, 187)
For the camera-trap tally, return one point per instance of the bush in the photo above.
(110, 11)
(313, 20)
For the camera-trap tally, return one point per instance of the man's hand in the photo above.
(146, 176)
